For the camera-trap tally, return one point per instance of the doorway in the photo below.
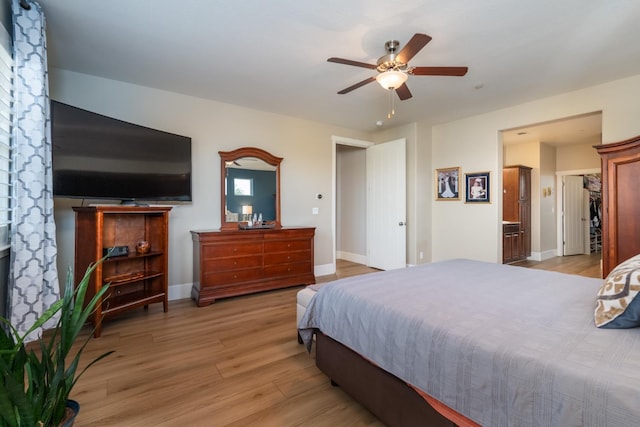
(368, 215)
(591, 230)
(553, 149)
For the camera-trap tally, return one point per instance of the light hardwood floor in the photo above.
(236, 362)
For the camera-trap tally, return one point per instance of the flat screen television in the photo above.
(99, 157)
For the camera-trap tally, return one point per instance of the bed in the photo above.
(476, 343)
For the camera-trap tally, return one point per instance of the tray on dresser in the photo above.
(255, 227)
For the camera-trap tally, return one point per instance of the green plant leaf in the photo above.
(35, 384)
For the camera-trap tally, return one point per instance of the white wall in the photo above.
(305, 171)
(463, 230)
(548, 237)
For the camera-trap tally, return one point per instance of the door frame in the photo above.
(335, 141)
(560, 204)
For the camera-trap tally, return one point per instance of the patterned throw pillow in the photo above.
(618, 307)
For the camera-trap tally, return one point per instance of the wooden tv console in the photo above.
(235, 262)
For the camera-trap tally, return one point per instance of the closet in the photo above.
(620, 202)
(516, 213)
(593, 185)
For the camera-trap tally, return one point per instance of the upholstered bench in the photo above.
(303, 298)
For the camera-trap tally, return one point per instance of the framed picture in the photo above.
(448, 184)
(478, 187)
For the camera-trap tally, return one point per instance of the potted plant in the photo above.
(36, 379)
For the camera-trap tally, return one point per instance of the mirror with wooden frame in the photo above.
(249, 185)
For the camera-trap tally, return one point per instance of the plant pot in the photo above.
(70, 413)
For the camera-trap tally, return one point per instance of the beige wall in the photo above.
(577, 157)
(474, 145)
(440, 230)
(306, 170)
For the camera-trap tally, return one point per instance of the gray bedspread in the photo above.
(502, 345)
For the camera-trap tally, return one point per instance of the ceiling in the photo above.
(271, 55)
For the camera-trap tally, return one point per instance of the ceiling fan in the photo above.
(393, 68)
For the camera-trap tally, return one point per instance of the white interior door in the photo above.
(573, 215)
(386, 205)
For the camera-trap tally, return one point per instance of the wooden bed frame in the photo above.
(390, 399)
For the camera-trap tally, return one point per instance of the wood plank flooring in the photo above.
(234, 363)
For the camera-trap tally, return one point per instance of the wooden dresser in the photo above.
(228, 263)
(620, 202)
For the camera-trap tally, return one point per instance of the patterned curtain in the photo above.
(33, 282)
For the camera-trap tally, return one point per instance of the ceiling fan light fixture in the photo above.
(391, 79)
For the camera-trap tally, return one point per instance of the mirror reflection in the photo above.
(250, 190)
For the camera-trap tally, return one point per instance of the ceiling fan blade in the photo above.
(350, 62)
(357, 85)
(403, 92)
(417, 42)
(438, 71)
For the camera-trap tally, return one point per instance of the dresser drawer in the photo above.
(286, 257)
(229, 277)
(232, 263)
(286, 245)
(280, 270)
(511, 228)
(231, 249)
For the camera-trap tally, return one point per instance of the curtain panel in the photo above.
(33, 281)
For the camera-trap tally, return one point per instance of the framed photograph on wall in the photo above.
(478, 187)
(448, 184)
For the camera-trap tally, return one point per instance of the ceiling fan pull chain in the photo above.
(392, 108)
(393, 101)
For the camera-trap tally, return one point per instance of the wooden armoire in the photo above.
(516, 209)
(620, 202)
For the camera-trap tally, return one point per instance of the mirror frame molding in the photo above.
(230, 156)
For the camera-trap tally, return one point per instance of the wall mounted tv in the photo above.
(99, 157)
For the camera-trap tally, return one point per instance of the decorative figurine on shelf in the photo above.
(142, 247)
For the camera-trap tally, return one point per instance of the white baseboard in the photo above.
(548, 254)
(324, 270)
(348, 256)
(180, 291)
(542, 256)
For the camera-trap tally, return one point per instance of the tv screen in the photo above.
(99, 157)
